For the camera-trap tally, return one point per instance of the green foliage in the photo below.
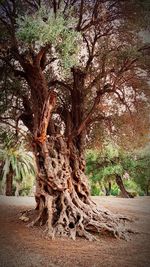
(115, 191)
(132, 186)
(24, 191)
(95, 190)
(142, 174)
(106, 164)
(103, 166)
(15, 157)
(44, 28)
(25, 187)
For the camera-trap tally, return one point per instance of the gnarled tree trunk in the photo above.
(63, 200)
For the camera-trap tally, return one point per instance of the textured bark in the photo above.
(62, 194)
(124, 192)
(63, 199)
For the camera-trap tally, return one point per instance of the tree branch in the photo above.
(80, 16)
(49, 105)
(84, 123)
(41, 53)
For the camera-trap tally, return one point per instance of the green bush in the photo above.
(25, 191)
(95, 190)
(132, 187)
(115, 191)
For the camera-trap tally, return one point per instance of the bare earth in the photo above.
(21, 246)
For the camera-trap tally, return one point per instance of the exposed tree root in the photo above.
(77, 219)
(64, 204)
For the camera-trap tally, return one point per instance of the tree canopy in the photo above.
(101, 39)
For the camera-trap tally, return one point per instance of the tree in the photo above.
(109, 165)
(63, 87)
(141, 173)
(16, 161)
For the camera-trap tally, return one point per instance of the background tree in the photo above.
(109, 165)
(17, 163)
(63, 92)
(141, 173)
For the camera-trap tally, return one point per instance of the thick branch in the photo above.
(45, 117)
(41, 53)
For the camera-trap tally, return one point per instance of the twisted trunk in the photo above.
(62, 194)
(63, 200)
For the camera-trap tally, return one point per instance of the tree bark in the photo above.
(9, 183)
(108, 189)
(121, 186)
(62, 194)
(63, 199)
(147, 188)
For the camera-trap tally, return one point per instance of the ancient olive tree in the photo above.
(70, 57)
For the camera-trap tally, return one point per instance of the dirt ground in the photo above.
(21, 246)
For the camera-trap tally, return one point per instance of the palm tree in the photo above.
(17, 162)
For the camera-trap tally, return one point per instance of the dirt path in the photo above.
(25, 247)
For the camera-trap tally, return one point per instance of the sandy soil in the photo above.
(26, 247)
